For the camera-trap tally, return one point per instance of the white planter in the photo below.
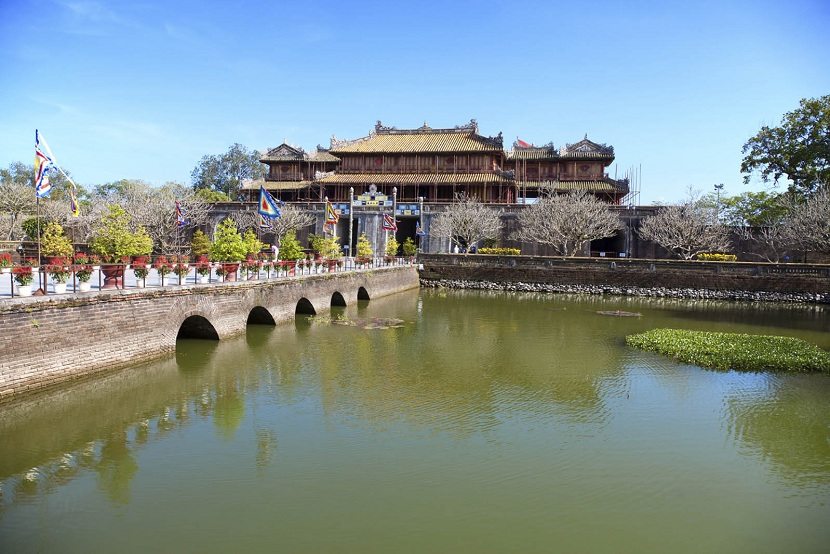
(60, 288)
(5, 270)
(96, 268)
(84, 286)
(203, 279)
(141, 283)
(24, 290)
(164, 281)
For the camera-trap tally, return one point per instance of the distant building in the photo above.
(437, 164)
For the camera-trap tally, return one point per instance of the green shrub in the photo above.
(228, 245)
(734, 350)
(716, 257)
(364, 247)
(392, 246)
(500, 251)
(409, 247)
(290, 247)
(199, 244)
(113, 240)
(252, 244)
(54, 242)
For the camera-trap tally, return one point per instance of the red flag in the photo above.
(522, 144)
(389, 223)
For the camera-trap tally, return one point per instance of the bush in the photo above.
(716, 257)
(228, 245)
(290, 249)
(734, 350)
(364, 247)
(500, 251)
(409, 247)
(199, 244)
(252, 244)
(54, 242)
(392, 246)
(113, 239)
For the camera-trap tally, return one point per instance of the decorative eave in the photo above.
(284, 153)
(586, 149)
(606, 185)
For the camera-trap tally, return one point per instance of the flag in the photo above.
(418, 231)
(331, 215)
(264, 222)
(389, 223)
(43, 163)
(180, 220)
(267, 205)
(73, 202)
(522, 144)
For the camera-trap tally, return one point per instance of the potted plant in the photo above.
(203, 269)
(409, 248)
(199, 244)
(113, 239)
(162, 266)
(95, 261)
(54, 244)
(23, 277)
(59, 273)
(141, 268)
(364, 250)
(83, 271)
(251, 266)
(5, 262)
(181, 268)
(228, 248)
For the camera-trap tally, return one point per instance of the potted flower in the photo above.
(5, 262)
(95, 261)
(23, 277)
(83, 271)
(59, 273)
(228, 248)
(54, 243)
(162, 266)
(182, 268)
(251, 266)
(113, 239)
(203, 269)
(141, 269)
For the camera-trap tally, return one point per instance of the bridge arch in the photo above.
(362, 294)
(337, 299)
(304, 306)
(197, 327)
(260, 316)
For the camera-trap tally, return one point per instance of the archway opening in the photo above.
(197, 327)
(338, 300)
(260, 316)
(362, 294)
(305, 307)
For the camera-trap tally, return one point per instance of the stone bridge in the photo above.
(44, 341)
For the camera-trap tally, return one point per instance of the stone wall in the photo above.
(620, 274)
(48, 340)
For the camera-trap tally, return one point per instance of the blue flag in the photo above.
(267, 205)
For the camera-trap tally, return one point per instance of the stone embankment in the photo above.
(654, 292)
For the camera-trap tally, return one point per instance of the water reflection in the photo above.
(462, 367)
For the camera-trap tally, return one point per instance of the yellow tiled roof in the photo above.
(532, 154)
(413, 178)
(419, 141)
(276, 185)
(594, 186)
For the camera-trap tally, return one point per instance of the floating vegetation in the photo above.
(373, 323)
(620, 313)
(734, 350)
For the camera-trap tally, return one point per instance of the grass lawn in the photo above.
(734, 350)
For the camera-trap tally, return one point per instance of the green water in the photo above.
(486, 422)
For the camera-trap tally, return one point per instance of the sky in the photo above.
(144, 89)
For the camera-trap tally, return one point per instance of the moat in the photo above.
(432, 420)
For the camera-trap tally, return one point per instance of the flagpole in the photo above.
(351, 209)
(39, 274)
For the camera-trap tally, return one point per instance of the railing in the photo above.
(123, 276)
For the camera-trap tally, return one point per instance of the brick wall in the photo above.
(48, 340)
(672, 274)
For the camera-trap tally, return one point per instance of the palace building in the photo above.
(435, 165)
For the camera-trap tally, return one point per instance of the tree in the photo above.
(799, 149)
(228, 245)
(199, 244)
(212, 196)
(225, 172)
(16, 199)
(753, 209)
(466, 222)
(291, 219)
(566, 222)
(808, 223)
(290, 249)
(409, 247)
(392, 246)
(686, 229)
(364, 247)
(114, 238)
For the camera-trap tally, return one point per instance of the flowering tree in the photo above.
(466, 222)
(291, 219)
(567, 221)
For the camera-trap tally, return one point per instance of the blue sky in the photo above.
(144, 89)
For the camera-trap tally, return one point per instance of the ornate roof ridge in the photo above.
(587, 146)
(381, 129)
